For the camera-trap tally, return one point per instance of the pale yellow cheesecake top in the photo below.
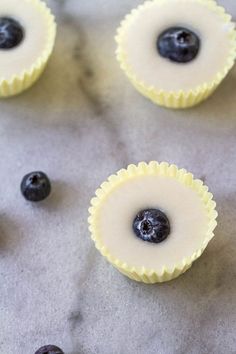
(182, 205)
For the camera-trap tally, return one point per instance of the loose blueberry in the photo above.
(151, 225)
(178, 44)
(49, 349)
(11, 33)
(35, 186)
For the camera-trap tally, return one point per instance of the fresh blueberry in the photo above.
(49, 349)
(11, 33)
(151, 225)
(35, 186)
(178, 44)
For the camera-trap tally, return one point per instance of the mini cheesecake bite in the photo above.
(152, 221)
(27, 35)
(170, 51)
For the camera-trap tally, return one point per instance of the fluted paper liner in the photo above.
(181, 98)
(23, 80)
(144, 274)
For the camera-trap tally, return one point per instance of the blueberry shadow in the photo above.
(9, 234)
(56, 200)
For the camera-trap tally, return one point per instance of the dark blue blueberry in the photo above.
(151, 225)
(49, 349)
(35, 186)
(11, 33)
(178, 44)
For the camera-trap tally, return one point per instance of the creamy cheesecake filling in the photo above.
(139, 44)
(14, 61)
(182, 205)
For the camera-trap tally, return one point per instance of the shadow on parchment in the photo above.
(57, 199)
(10, 236)
(216, 268)
(72, 77)
(219, 106)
